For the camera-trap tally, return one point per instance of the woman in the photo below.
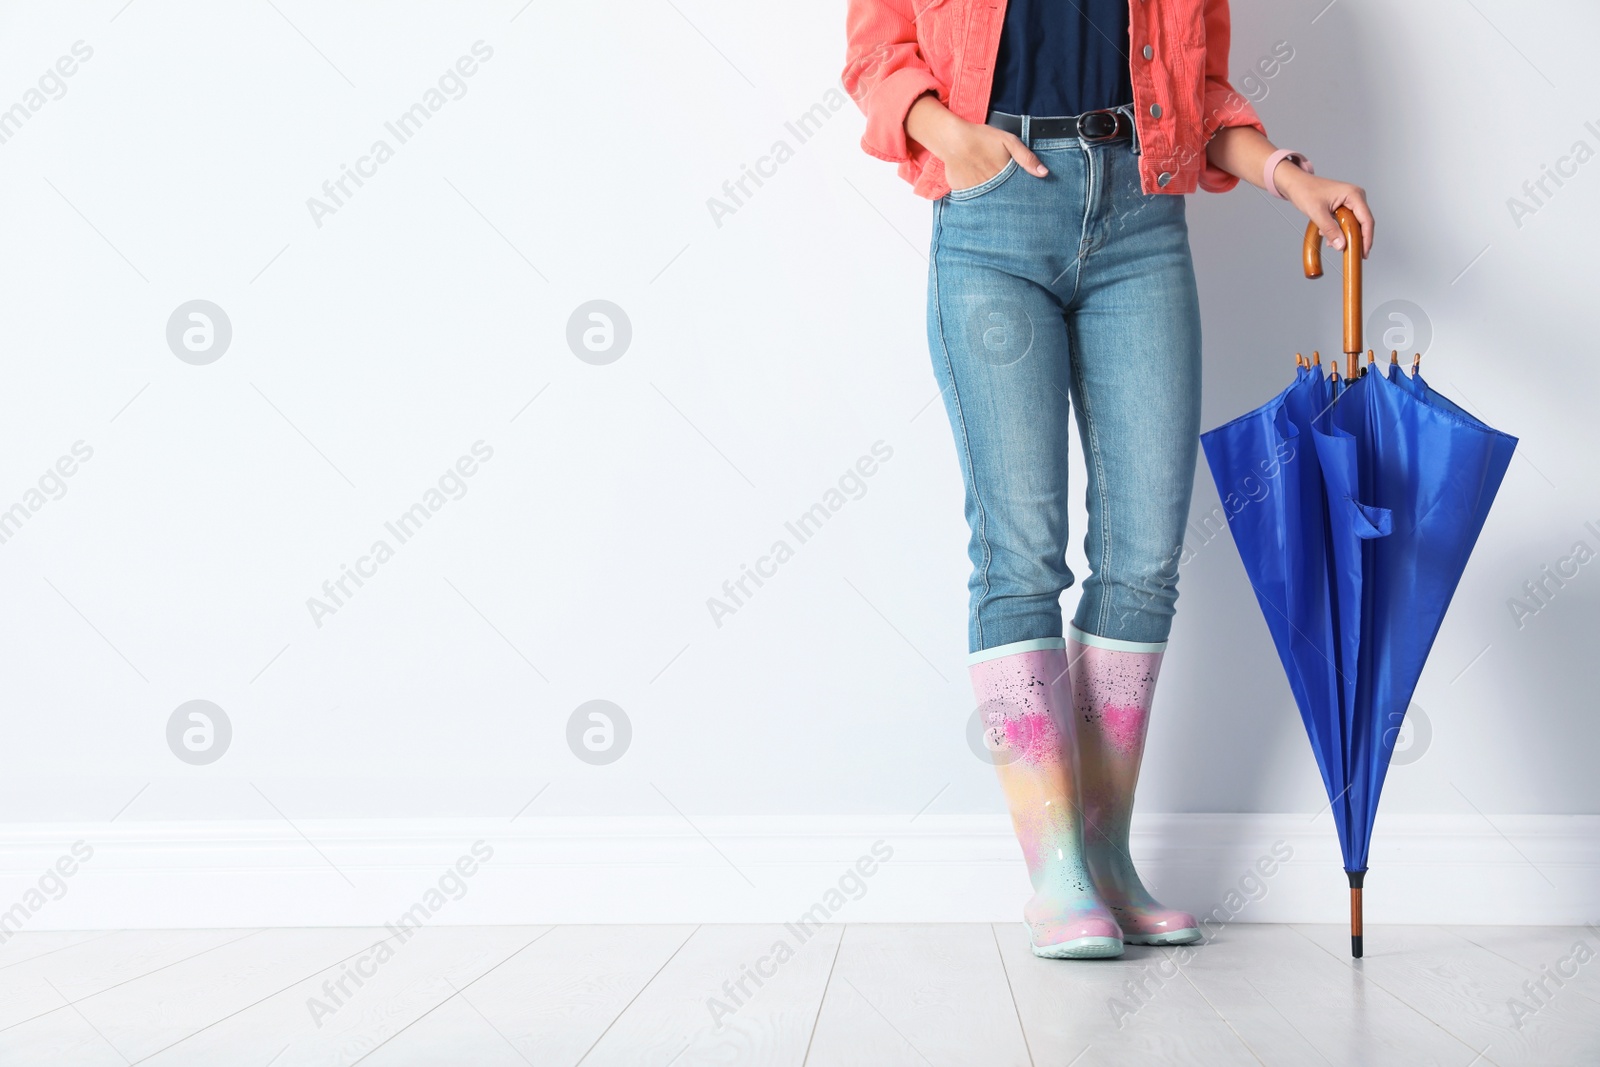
(1056, 139)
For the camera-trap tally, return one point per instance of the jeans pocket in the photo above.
(993, 183)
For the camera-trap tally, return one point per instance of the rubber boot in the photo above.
(1113, 683)
(1024, 698)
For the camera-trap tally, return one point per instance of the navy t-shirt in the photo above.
(1062, 57)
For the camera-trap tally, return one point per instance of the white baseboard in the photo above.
(1522, 869)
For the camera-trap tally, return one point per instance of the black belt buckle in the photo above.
(1096, 126)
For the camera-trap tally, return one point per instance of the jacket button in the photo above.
(1163, 178)
(1149, 53)
(1155, 110)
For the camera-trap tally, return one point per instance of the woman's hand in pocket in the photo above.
(984, 152)
(972, 153)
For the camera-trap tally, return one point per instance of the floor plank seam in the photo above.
(1224, 1019)
(1027, 1046)
(63, 948)
(1287, 1021)
(634, 999)
(117, 985)
(85, 1020)
(262, 1000)
(889, 1022)
(1520, 966)
(454, 993)
(822, 1000)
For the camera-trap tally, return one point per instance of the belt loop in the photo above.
(1128, 110)
(1025, 121)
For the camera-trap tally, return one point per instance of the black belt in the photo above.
(1091, 126)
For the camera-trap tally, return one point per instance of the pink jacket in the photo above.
(899, 49)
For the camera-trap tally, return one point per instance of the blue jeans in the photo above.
(1072, 291)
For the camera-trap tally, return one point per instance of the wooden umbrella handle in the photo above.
(1351, 227)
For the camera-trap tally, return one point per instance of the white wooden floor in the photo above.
(870, 994)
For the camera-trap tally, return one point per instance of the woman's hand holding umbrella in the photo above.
(1319, 198)
(1243, 151)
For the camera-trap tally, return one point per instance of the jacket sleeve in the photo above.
(1222, 104)
(884, 72)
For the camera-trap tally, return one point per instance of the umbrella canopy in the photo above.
(1357, 503)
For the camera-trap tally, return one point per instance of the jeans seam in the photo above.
(961, 424)
(1086, 411)
(1082, 252)
(1003, 175)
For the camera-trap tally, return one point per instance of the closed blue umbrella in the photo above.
(1355, 504)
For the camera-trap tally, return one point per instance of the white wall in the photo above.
(769, 352)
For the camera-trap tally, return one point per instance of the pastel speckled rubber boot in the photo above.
(1113, 683)
(1024, 696)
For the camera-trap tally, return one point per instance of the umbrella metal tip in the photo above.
(1394, 355)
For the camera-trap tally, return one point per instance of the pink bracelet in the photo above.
(1272, 164)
